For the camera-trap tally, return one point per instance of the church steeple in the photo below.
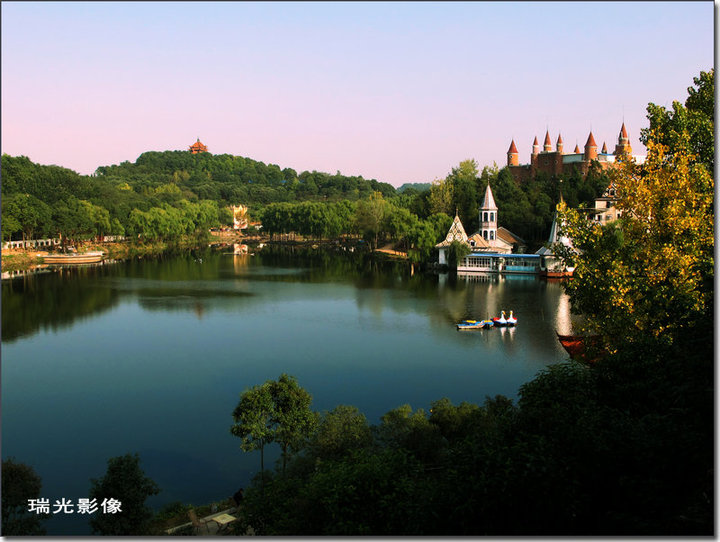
(488, 216)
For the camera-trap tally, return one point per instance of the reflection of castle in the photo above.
(559, 163)
(240, 221)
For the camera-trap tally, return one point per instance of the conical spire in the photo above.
(513, 148)
(591, 141)
(623, 131)
(604, 148)
(577, 149)
(547, 146)
(489, 201)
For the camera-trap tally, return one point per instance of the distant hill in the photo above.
(420, 187)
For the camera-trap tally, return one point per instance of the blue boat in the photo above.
(466, 325)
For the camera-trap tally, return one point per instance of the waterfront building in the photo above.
(491, 246)
(551, 264)
(558, 163)
(198, 147)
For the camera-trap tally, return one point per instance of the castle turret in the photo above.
(591, 148)
(535, 147)
(604, 149)
(559, 144)
(547, 146)
(513, 158)
(623, 144)
(488, 216)
(577, 149)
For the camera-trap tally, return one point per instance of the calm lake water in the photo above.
(151, 356)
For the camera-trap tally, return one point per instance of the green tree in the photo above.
(370, 217)
(20, 483)
(649, 276)
(32, 214)
(253, 417)
(292, 418)
(124, 481)
(689, 128)
(341, 431)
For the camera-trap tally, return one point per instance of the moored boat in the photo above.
(511, 321)
(576, 345)
(72, 259)
(474, 324)
(501, 320)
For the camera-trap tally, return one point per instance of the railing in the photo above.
(43, 243)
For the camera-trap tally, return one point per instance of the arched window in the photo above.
(492, 235)
(485, 234)
(492, 217)
(485, 217)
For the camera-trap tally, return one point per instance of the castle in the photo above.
(557, 163)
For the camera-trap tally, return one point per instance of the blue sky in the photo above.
(399, 92)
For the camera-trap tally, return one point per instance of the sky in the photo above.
(397, 92)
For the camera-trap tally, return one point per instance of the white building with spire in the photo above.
(492, 246)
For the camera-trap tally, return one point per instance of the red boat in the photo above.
(575, 345)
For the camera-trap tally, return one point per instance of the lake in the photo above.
(151, 356)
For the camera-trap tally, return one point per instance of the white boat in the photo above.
(511, 321)
(75, 258)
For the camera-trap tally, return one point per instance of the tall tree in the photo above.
(253, 417)
(292, 418)
(125, 482)
(649, 276)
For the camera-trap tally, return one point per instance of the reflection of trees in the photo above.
(53, 300)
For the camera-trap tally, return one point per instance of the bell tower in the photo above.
(488, 216)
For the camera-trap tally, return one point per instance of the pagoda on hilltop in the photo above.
(198, 147)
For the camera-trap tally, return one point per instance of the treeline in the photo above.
(167, 194)
(50, 201)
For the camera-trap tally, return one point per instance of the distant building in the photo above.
(556, 162)
(605, 209)
(198, 147)
(491, 246)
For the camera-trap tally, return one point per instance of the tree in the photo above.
(370, 217)
(31, 213)
(341, 431)
(20, 482)
(292, 418)
(441, 197)
(463, 179)
(124, 481)
(690, 128)
(253, 417)
(648, 278)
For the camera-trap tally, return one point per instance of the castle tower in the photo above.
(591, 148)
(559, 144)
(488, 216)
(623, 144)
(513, 159)
(547, 146)
(604, 149)
(535, 147)
(577, 149)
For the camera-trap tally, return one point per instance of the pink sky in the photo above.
(398, 92)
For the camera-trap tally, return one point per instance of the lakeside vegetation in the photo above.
(623, 446)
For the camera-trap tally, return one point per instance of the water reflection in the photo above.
(352, 329)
